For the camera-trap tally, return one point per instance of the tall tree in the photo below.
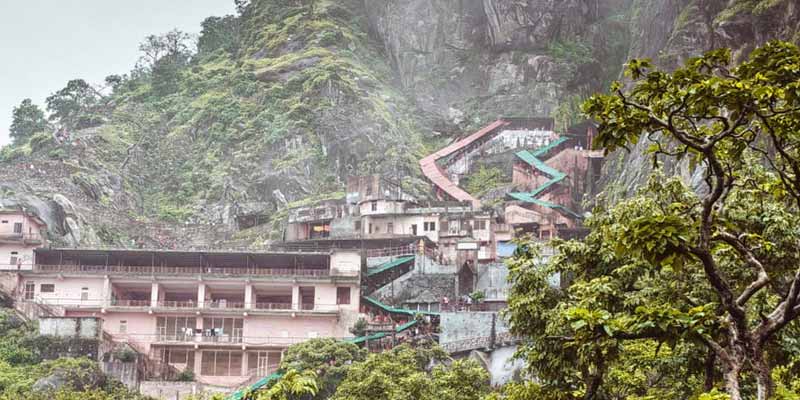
(711, 274)
(163, 56)
(78, 105)
(27, 119)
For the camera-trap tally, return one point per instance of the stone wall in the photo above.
(178, 390)
(83, 327)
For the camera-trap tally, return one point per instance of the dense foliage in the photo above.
(27, 119)
(31, 370)
(680, 291)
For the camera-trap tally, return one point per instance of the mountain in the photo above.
(283, 101)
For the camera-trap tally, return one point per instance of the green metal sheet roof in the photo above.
(389, 265)
(556, 176)
(401, 328)
(394, 310)
(237, 395)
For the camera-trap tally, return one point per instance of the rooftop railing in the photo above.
(178, 270)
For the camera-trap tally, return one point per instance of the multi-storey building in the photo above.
(20, 233)
(227, 316)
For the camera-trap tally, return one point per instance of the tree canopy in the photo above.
(680, 290)
(27, 119)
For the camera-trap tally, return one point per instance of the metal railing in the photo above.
(130, 303)
(31, 237)
(176, 270)
(49, 302)
(273, 306)
(219, 339)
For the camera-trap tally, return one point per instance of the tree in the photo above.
(219, 33)
(164, 56)
(718, 266)
(402, 373)
(329, 357)
(78, 105)
(292, 385)
(27, 119)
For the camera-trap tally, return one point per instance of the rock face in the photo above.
(312, 95)
(481, 59)
(671, 31)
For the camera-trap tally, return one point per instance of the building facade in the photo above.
(225, 316)
(20, 234)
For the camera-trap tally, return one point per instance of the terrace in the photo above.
(149, 263)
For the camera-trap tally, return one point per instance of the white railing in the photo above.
(175, 270)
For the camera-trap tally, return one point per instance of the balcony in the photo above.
(157, 270)
(210, 341)
(24, 238)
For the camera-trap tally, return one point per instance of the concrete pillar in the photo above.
(295, 297)
(201, 295)
(154, 294)
(248, 296)
(106, 291)
(245, 363)
(198, 361)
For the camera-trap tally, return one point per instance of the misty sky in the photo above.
(45, 43)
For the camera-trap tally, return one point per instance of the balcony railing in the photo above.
(211, 340)
(273, 306)
(77, 303)
(177, 304)
(223, 304)
(21, 237)
(157, 270)
(130, 303)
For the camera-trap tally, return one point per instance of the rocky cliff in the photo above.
(671, 31)
(282, 102)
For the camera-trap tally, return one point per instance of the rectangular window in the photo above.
(123, 326)
(175, 328)
(85, 293)
(4, 222)
(18, 227)
(221, 363)
(480, 225)
(370, 228)
(358, 226)
(30, 288)
(390, 228)
(14, 258)
(429, 226)
(47, 288)
(342, 295)
(374, 206)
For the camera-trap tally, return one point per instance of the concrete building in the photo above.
(20, 233)
(227, 316)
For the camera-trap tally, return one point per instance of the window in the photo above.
(175, 328)
(47, 288)
(30, 288)
(480, 225)
(429, 226)
(374, 206)
(123, 326)
(18, 227)
(358, 226)
(14, 258)
(444, 226)
(342, 295)
(390, 227)
(85, 293)
(4, 221)
(370, 228)
(221, 363)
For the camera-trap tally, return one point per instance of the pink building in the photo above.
(20, 233)
(227, 316)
